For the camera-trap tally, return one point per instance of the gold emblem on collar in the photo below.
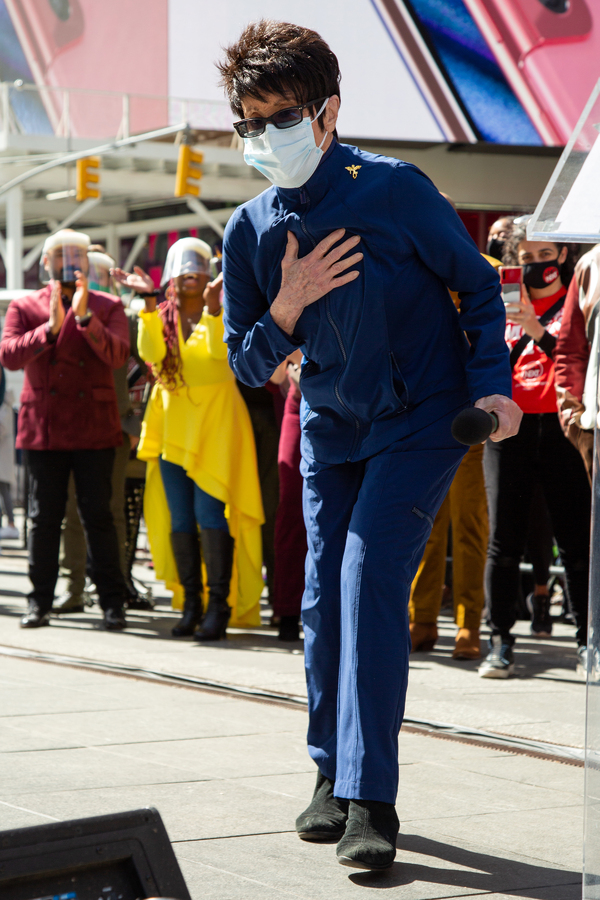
(353, 170)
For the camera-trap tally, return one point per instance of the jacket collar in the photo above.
(318, 184)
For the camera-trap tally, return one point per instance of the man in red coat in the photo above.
(68, 339)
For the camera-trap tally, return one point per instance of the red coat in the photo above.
(68, 400)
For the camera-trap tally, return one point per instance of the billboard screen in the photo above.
(501, 71)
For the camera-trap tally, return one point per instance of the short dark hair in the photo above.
(278, 58)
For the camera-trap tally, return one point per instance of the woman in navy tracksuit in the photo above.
(349, 256)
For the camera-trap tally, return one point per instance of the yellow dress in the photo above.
(203, 426)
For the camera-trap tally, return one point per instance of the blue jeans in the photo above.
(188, 504)
(367, 525)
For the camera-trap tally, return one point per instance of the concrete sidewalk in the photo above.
(545, 701)
(230, 775)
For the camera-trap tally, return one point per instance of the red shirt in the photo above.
(533, 374)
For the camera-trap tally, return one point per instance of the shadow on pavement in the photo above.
(486, 875)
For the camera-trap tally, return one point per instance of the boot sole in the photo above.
(498, 673)
(322, 837)
(356, 864)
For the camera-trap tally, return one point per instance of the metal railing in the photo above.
(72, 113)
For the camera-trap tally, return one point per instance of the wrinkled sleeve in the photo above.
(20, 344)
(256, 344)
(109, 340)
(215, 330)
(442, 243)
(571, 358)
(150, 341)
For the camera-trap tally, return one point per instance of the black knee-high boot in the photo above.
(186, 550)
(217, 550)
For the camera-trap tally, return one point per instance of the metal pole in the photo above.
(91, 151)
(5, 113)
(14, 239)
(77, 213)
(113, 244)
(139, 242)
(125, 121)
(198, 207)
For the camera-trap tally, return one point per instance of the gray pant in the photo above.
(74, 547)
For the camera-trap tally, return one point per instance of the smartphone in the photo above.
(549, 52)
(511, 279)
(101, 47)
(459, 76)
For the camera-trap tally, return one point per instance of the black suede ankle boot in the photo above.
(369, 841)
(325, 817)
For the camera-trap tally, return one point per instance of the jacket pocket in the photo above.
(399, 388)
(421, 514)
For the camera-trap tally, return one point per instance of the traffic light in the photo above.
(189, 172)
(87, 177)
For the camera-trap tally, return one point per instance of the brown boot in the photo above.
(466, 645)
(423, 636)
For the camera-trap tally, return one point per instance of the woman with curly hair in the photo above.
(539, 454)
(197, 440)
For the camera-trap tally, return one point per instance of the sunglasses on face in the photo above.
(285, 118)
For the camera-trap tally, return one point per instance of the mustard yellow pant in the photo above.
(465, 506)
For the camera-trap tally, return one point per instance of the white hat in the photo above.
(66, 238)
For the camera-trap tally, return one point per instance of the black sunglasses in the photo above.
(285, 118)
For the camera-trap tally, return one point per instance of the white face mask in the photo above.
(286, 156)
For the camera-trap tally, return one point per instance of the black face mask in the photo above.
(495, 248)
(541, 274)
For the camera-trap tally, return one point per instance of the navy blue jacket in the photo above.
(386, 354)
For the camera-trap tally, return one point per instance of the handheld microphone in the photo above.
(474, 426)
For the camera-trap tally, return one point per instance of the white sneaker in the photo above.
(500, 662)
(10, 532)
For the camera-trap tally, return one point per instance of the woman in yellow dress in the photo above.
(197, 440)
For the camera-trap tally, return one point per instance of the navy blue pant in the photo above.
(188, 504)
(367, 524)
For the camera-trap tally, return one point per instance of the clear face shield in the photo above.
(187, 256)
(64, 254)
(99, 277)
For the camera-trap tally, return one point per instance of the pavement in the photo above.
(229, 774)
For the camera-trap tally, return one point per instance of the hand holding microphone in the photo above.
(496, 417)
(474, 426)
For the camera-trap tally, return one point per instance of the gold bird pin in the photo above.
(353, 170)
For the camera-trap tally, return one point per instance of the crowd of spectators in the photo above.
(218, 463)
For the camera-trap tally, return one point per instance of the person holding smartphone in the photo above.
(539, 453)
(349, 257)
(69, 339)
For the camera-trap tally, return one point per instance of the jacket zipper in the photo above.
(305, 199)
